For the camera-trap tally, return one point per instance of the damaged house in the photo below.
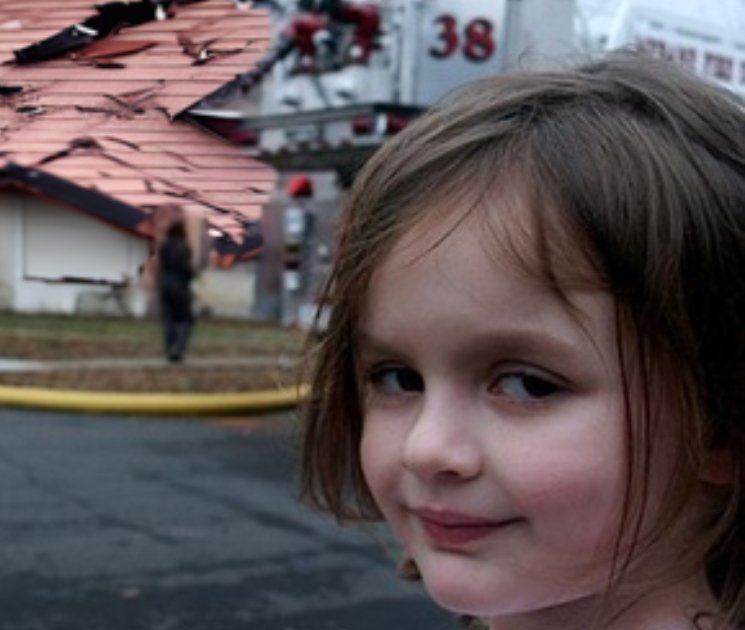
(96, 147)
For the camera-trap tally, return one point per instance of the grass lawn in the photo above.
(56, 337)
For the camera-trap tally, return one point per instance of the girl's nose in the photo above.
(442, 443)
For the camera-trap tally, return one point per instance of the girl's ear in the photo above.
(719, 468)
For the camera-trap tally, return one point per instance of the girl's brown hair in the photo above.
(641, 167)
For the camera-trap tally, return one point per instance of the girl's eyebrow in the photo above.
(537, 343)
(367, 342)
(533, 342)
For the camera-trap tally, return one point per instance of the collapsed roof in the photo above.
(92, 104)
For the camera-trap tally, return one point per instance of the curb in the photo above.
(153, 403)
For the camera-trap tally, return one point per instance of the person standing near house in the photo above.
(175, 274)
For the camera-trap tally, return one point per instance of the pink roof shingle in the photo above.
(108, 117)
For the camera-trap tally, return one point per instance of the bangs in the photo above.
(522, 224)
(538, 238)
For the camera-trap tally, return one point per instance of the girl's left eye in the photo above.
(395, 380)
(525, 387)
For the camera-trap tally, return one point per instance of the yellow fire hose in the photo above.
(152, 403)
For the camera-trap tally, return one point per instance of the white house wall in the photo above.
(10, 211)
(226, 292)
(61, 243)
(55, 245)
(43, 246)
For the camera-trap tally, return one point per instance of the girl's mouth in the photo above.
(453, 530)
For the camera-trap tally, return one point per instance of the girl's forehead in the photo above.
(499, 211)
(536, 241)
(460, 276)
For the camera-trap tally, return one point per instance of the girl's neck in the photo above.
(672, 608)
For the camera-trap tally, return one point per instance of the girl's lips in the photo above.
(453, 530)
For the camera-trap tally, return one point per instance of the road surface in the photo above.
(163, 524)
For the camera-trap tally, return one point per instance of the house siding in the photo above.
(226, 292)
(66, 262)
(43, 245)
(10, 216)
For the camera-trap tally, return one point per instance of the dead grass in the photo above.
(176, 379)
(45, 337)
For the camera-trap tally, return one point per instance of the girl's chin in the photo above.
(465, 593)
(463, 587)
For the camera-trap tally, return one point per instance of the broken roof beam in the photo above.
(109, 18)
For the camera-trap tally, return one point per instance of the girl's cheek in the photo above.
(575, 510)
(382, 469)
(375, 458)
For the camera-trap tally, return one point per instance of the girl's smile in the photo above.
(454, 531)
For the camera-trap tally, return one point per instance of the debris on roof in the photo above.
(108, 19)
(96, 95)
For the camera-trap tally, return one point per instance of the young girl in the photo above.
(534, 368)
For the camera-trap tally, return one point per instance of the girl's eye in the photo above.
(524, 387)
(396, 380)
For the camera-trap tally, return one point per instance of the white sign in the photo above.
(708, 52)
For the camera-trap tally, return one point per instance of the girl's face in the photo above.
(493, 437)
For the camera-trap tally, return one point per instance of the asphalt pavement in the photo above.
(132, 523)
